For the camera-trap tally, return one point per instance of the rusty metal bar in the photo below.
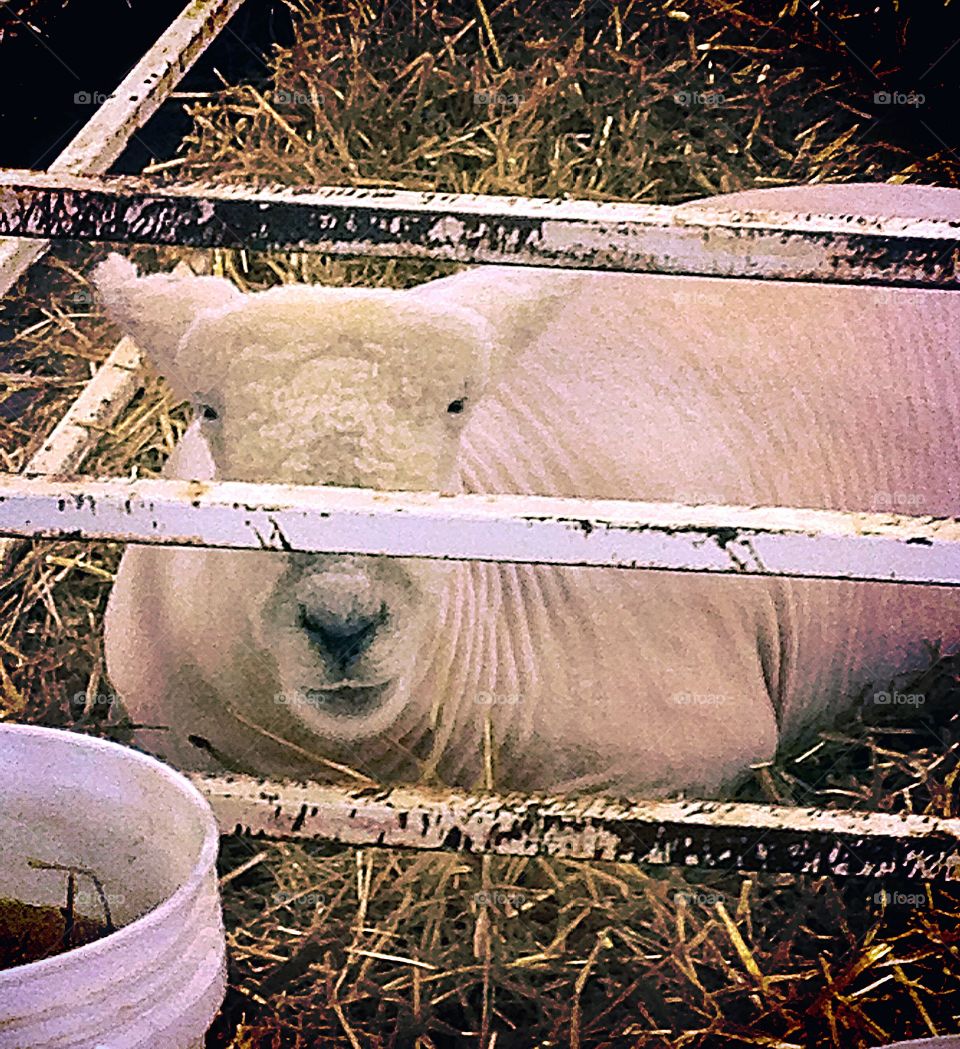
(778, 541)
(465, 228)
(703, 834)
(103, 138)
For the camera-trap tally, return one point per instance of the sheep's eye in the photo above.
(457, 406)
(208, 412)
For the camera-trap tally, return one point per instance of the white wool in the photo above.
(573, 384)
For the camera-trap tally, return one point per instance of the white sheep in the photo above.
(536, 381)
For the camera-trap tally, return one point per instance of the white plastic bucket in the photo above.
(150, 837)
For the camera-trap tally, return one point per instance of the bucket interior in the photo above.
(98, 809)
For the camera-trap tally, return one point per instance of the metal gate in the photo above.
(72, 201)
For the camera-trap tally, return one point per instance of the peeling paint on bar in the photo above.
(469, 228)
(618, 533)
(706, 835)
(62, 204)
(104, 137)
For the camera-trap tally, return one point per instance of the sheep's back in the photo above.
(743, 392)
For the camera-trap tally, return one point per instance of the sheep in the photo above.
(549, 382)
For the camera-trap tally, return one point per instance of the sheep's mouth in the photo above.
(347, 700)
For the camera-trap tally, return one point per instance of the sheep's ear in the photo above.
(156, 311)
(515, 302)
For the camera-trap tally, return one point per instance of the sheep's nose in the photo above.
(342, 641)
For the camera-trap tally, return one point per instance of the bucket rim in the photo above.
(205, 861)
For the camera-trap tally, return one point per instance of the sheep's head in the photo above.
(311, 385)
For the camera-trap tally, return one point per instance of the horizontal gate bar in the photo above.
(615, 236)
(105, 135)
(535, 529)
(706, 835)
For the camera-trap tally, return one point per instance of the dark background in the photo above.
(53, 51)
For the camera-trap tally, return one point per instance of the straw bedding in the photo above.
(634, 101)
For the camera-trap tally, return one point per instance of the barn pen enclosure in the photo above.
(546, 576)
